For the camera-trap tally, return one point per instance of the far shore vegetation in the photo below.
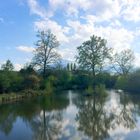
(95, 66)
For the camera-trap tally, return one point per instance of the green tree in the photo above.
(4, 82)
(74, 66)
(68, 67)
(92, 54)
(46, 53)
(31, 82)
(8, 66)
(123, 62)
(71, 66)
(133, 82)
(10, 81)
(27, 70)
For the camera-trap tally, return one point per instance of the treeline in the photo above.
(62, 78)
(95, 64)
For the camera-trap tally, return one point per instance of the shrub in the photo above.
(31, 82)
(133, 82)
(90, 90)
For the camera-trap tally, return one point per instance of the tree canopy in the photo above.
(92, 54)
(123, 62)
(45, 53)
(8, 66)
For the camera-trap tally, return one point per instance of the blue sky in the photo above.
(72, 21)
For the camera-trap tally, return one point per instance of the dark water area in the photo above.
(71, 116)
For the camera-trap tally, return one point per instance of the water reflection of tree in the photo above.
(92, 118)
(43, 115)
(47, 124)
(6, 125)
(7, 118)
(125, 115)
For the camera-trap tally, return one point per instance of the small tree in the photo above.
(74, 66)
(92, 54)
(46, 53)
(31, 82)
(68, 66)
(8, 66)
(123, 62)
(71, 66)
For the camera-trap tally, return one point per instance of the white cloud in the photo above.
(118, 38)
(105, 9)
(67, 53)
(25, 49)
(137, 60)
(131, 10)
(18, 66)
(35, 8)
(73, 31)
(57, 29)
(70, 7)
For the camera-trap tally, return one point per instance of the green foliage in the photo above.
(63, 79)
(100, 89)
(133, 82)
(8, 66)
(89, 75)
(68, 67)
(81, 81)
(28, 70)
(90, 90)
(45, 54)
(71, 66)
(48, 84)
(129, 83)
(10, 81)
(4, 83)
(31, 82)
(92, 54)
(106, 79)
(121, 82)
(16, 81)
(49, 87)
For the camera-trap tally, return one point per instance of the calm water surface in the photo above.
(71, 116)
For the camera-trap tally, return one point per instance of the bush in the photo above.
(106, 79)
(81, 81)
(130, 83)
(90, 90)
(48, 84)
(31, 82)
(121, 82)
(10, 81)
(100, 89)
(4, 83)
(133, 82)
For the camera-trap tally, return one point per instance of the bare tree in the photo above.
(45, 53)
(123, 62)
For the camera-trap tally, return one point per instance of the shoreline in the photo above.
(6, 98)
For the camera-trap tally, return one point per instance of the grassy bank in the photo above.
(14, 97)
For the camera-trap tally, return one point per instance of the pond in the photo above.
(71, 116)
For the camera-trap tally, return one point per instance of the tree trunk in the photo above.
(93, 71)
(44, 124)
(44, 70)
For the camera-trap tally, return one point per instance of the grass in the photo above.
(13, 97)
